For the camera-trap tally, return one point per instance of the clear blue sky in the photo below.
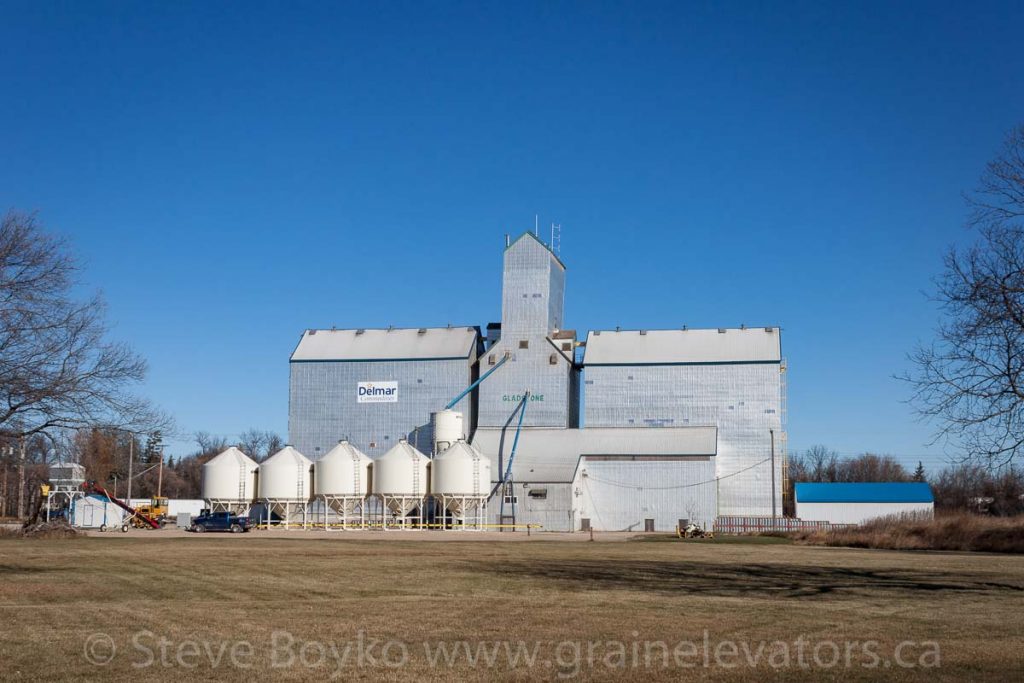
(233, 173)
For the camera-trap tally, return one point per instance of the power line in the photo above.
(681, 486)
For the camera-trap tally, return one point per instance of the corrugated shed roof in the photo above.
(551, 455)
(856, 492)
(425, 343)
(697, 347)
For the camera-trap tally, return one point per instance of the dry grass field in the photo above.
(368, 607)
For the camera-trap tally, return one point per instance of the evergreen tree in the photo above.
(919, 472)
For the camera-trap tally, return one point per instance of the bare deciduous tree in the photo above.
(57, 369)
(970, 380)
(259, 444)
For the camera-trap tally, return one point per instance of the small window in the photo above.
(567, 346)
(490, 359)
(553, 359)
(511, 500)
(539, 494)
(524, 343)
(585, 524)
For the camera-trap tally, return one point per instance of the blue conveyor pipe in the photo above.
(474, 385)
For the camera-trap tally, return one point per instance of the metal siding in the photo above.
(858, 513)
(323, 407)
(555, 513)
(552, 455)
(743, 401)
(620, 495)
(532, 298)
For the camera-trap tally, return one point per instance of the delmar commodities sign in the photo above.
(377, 392)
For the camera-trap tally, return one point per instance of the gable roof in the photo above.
(425, 343)
(538, 241)
(683, 347)
(857, 492)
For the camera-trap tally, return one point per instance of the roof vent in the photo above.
(742, 326)
(312, 332)
(769, 330)
(643, 332)
(422, 330)
(390, 327)
(721, 330)
(597, 333)
(360, 331)
(618, 329)
(685, 328)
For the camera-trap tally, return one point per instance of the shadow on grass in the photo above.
(757, 580)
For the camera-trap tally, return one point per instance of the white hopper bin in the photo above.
(460, 481)
(229, 481)
(285, 485)
(449, 427)
(341, 482)
(400, 481)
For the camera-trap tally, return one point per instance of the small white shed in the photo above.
(94, 511)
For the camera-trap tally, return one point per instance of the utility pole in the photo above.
(160, 476)
(131, 456)
(21, 479)
(775, 513)
(7, 452)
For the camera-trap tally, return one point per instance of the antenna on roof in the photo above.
(556, 239)
(536, 225)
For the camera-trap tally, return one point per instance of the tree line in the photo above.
(966, 486)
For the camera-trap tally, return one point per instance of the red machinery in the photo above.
(93, 487)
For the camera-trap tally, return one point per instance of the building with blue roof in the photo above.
(857, 502)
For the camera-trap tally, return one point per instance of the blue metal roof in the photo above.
(889, 492)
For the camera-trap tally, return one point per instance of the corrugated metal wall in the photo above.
(743, 400)
(554, 512)
(857, 513)
(323, 409)
(619, 495)
(532, 300)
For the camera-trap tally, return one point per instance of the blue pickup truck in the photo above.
(220, 521)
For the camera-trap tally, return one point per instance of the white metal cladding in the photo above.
(533, 288)
(323, 407)
(742, 400)
(533, 291)
(858, 513)
(620, 494)
(552, 455)
(635, 347)
(386, 344)
(530, 370)
(556, 511)
(92, 512)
